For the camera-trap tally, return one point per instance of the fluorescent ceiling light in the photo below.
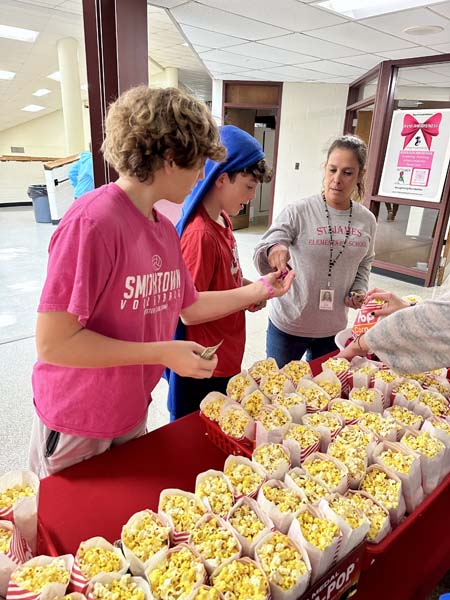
(7, 74)
(41, 92)
(33, 108)
(17, 33)
(56, 76)
(355, 9)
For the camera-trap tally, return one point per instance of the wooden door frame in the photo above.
(383, 101)
(116, 43)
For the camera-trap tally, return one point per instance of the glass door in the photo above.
(407, 114)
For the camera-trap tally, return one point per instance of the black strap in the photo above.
(332, 260)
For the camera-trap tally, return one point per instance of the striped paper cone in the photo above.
(49, 590)
(305, 452)
(7, 514)
(15, 592)
(19, 551)
(78, 582)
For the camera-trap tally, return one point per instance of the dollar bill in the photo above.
(209, 352)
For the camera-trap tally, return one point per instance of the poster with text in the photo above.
(417, 155)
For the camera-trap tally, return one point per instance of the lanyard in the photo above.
(332, 260)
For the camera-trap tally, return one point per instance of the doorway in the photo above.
(254, 107)
(410, 199)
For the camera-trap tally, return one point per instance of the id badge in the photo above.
(326, 300)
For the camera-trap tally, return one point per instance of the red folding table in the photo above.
(97, 497)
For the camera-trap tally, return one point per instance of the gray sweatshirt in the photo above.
(303, 228)
(415, 339)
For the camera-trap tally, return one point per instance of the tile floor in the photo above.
(23, 259)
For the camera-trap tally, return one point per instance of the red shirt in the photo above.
(210, 252)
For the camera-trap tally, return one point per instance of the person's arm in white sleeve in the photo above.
(411, 340)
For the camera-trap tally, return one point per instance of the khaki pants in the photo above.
(51, 451)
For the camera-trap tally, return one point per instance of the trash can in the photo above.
(38, 195)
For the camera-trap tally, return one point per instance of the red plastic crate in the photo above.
(227, 444)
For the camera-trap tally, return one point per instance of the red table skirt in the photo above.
(97, 497)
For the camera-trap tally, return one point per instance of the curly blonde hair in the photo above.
(146, 126)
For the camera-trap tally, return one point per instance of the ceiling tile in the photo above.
(408, 53)
(212, 39)
(166, 3)
(258, 50)
(267, 76)
(361, 37)
(200, 49)
(223, 22)
(223, 68)
(233, 77)
(440, 47)
(72, 6)
(335, 69)
(296, 72)
(442, 9)
(339, 80)
(289, 14)
(304, 44)
(395, 23)
(224, 56)
(364, 61)
(33, 17)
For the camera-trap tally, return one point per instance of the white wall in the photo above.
(166, 78)
(43, 136)
(15, 177)
(217, 94)
(312, 114)
(86, 125)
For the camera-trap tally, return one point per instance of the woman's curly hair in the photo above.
(146, 126)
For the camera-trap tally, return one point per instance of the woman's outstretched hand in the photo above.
(278, 258)
(392, 303)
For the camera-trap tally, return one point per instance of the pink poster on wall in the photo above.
(417, 155)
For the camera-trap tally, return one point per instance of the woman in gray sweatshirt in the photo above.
(328, 239)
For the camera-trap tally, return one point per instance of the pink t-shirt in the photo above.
(123, 276)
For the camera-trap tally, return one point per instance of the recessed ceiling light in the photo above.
(41, 92)
(56, 76)
(33, 108)
(355, 9)
(7, 74)
(17, 33)
(423, 29)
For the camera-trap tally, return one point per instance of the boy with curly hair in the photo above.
(116, 285)
(210, 252)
